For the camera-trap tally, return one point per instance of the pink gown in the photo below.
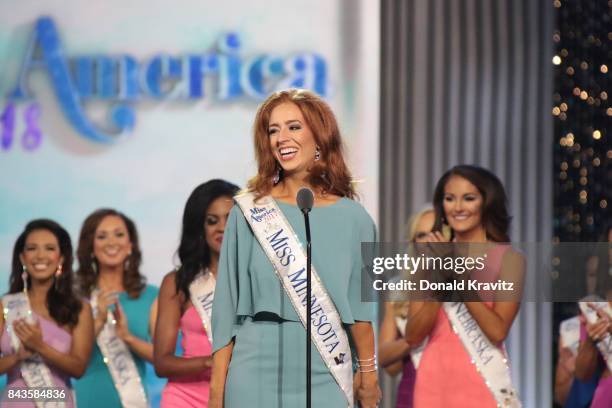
(193, 390)
(446, 378)
(57, 338)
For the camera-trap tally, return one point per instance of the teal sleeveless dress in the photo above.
(268, 365)
(96, 389)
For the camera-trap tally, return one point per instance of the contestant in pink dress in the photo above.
(204, 219)
(190, 390)
(446, 362)
(472, 201)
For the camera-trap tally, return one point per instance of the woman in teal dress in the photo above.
(109, 269)
(258, 339)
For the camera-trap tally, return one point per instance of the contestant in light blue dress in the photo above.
(253, 319)
(109, 260)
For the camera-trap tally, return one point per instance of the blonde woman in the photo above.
(394, 351)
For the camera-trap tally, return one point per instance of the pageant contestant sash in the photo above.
(489, 360)
(119, 361)
(569, 331)
(34, 371)
(605, 344)
(279, 242)
(202, 292)
(415, 353)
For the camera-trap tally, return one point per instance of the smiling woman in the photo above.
(472, 202)
(258, 326)
(43, 316)
(124, 309)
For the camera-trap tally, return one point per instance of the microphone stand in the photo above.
(308, 311)
(305, 201)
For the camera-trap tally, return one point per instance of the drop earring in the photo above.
(24, 278)
(317, 154)
(58, 275)
(94, 266)
(276, 178)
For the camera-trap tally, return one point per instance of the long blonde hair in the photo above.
(400, 309)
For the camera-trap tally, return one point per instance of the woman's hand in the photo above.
(23, 353)
(121, 323)
(105, 300)
(597, 330)
(29, 334)
(368, 392)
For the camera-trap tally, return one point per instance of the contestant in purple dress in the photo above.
(61, 327)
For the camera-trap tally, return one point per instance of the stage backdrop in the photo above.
(132, 104)
(109, 104)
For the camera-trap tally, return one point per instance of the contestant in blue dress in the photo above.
(255, 325)
(109, 262)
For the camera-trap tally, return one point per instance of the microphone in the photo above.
(305, 201)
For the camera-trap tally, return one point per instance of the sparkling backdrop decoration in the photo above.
(582, 128)
(582, 116)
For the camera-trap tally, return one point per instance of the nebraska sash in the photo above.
(119, 361)
(490, 361)
(281, 246)
(604, 345)
(202, 292)
(34, 371)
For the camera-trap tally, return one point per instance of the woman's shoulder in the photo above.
(353, 208)
(149, 292)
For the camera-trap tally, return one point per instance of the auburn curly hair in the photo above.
(330, 173)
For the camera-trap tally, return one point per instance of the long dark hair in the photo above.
(64, 307)
(133, 281)
(495, 218)
(193, 251)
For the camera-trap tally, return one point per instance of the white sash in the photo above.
(490, 361)
(34, 371)
(282, 247)
(569, 332)
(417, 352)
(605, 344)
(119, 361)
(202, 292)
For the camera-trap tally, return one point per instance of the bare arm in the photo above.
(496, 322)
(368, 392)
(140, 347)
(221, 361)
(421, 320)
(166, 333)
(73, 363)
(392, 348)
(586, 361)
(564, 374)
